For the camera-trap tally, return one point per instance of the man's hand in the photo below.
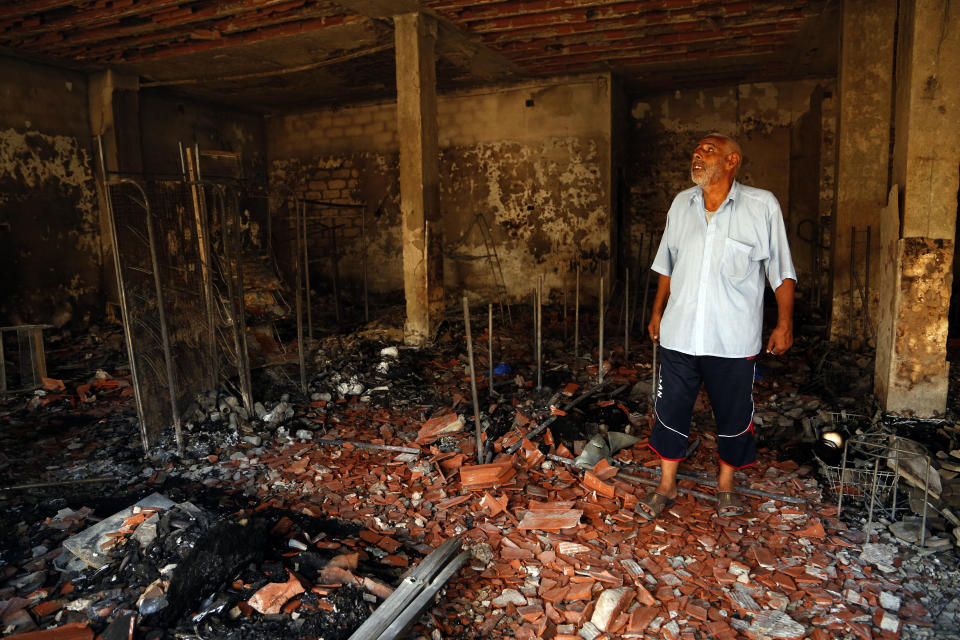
(659, 304)
(782, 337)
(780, 340)
(654, 327)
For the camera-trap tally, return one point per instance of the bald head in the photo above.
(715, 160)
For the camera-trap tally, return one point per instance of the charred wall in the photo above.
(774, 124)
(49, 223)
(533, 159)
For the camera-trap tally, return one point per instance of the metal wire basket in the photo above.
(864, 473)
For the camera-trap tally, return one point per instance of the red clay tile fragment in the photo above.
(272, 597)
(550, 520)
(813, 530)
(437, 426)
(72, 631)
(485, 476)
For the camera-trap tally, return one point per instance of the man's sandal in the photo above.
(729, 504)
(654, 504)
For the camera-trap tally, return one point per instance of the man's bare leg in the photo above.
(668, 478)
(724, 477)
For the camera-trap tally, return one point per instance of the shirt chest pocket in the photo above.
(736, 262)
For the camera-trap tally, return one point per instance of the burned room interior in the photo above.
(330, 319)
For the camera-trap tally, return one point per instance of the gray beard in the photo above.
(709, 175)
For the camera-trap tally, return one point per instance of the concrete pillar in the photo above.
(920, 222)
(114, 101)
(865, 86)
(421, 236)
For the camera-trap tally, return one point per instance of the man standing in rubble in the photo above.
(721, 239)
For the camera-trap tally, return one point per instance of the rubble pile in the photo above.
(296, 518)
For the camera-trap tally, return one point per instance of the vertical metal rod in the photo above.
(566, 332)
(124, 309)
(853, 275)
(655, 379)
(873, 497)
(866, 285)
(298, 303)
(305, 246)
(191, 164)
(576, 315)
(926, 497)
(490, 345)
(333, 275)
(473, 381)
(646, 286)
(600, 349)
(626, 324)
(164, 331)
(240, 307)
(426, 273)
(363, 242)
(639, 264)
(843, 472)
(540, 333)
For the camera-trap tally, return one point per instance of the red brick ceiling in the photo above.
(227, 46)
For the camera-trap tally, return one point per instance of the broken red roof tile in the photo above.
(550, 519)
(485, 476)
(72, 631)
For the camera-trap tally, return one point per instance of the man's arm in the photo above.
(660, 303)
(782, 337)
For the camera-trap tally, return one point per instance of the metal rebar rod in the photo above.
(192, 170)
(363, 243)
(708, 481)
(56, 483)
(926, 499)
(333, 276)
(243, 354)
(367, 445)
(600, 348)
(843, 472)
(164, 329)
(873, 497)
(853, 276)
(540, 333)
(124, 308)
(646, 285)
(653, 376)
(576, 315)
(639, 265)
(566, 328)
(473, 380)
(626, 324)
(490, 345)
(306, 271)
(298, 303)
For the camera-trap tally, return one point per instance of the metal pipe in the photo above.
(654, 377)
(363, 243)
(56, 483)
(191, 165)
(490, 345)
(473, 381)
(540, 333)
(646, 286)
(600, 348)
(626, 324)
(243, 355)
(576, 316)
(306, 273)
(298, 303)
(124, 309)
(162, 317)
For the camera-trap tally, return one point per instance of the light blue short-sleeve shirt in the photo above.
(717, 271)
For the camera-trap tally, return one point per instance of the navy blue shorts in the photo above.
(729, 384)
